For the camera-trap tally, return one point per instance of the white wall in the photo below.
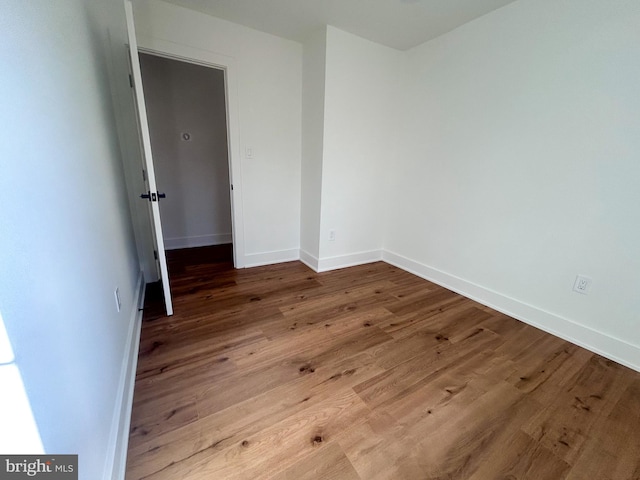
(269, 83)
(194, 174)
(360, 135)
(313, 88)
(66, 240)
(521, 164)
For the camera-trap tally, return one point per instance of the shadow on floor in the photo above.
(178, 261)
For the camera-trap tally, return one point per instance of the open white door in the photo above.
(152, 194)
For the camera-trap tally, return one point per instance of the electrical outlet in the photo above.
(116, 294)
(332, 235)
(582, 284)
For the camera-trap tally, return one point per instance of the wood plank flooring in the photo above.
(366, 373)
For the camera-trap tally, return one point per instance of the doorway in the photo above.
(187, 112)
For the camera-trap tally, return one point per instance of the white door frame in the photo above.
(206, 58)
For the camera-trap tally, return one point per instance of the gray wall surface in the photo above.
(67, 241)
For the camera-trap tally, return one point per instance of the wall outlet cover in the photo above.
(116, 294)
(582, 284)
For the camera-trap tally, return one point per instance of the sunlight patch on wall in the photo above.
(19, 434)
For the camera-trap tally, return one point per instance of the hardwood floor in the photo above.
(366, 373)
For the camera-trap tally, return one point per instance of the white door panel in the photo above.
(148, 158)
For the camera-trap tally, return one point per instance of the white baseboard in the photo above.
(598, 342)
(269, 258)
(340, 261)
(343, 261)
(309, 260)
(119, 438)
(197, 241)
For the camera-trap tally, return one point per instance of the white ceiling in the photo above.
(400, 24)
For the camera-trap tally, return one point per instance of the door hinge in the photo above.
(232, 186)
(155, 254)
(144, 175)
(130, 81)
